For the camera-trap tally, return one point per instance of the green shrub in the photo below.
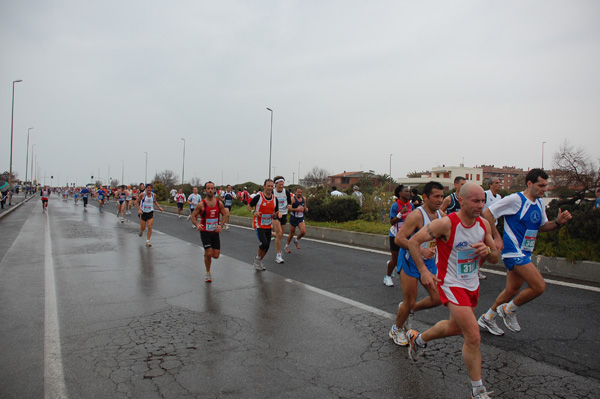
(332, 209)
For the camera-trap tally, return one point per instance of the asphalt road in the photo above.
(89, 312)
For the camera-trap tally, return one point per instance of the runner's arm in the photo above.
(437, 228)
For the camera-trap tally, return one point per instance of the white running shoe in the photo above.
(287, 249)
(207, 278)
(481, 275)
(398, 335)
(279, 258)
(414, 349)
(387, 280)
(297, 243)
(510, 318)
(489, 325)
(481, 393)
(148, 244)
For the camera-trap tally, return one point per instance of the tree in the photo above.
(168, 179)
(573, 169)
(317, 177)
(196, 182)
(386, 181)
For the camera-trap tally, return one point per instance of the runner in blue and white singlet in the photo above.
(524, 217)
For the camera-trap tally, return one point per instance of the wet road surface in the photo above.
(131, 321)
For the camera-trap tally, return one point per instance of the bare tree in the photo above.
(167, 177)
(573, 169)
(195, 182)
(317, 177)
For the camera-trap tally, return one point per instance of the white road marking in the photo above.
(492, 271)
(54, 380)
(343, 299)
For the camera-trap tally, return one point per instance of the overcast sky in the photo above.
(350, 82)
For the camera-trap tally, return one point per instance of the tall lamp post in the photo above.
(270, 141)
(543, 142)
(146, 175)
(33, 145)
(183, 167)
(27, 158)
(11, 141)
(391, 171)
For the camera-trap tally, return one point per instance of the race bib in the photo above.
(467, 263)
(211, 224)
(147, 208)
(228, 202)
(299, 214)
(266, 220)
(529, 240)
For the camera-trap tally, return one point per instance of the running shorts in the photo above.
(264, 237)
(510, 263)
(180, 205)
(210, 239)
(282, 219)
(294, 221)
(458, 296)
(411, 269)
(147, 216)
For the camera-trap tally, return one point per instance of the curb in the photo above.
(15, 206)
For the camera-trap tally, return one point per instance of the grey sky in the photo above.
(350, 83)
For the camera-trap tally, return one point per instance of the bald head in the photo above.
(470, 189)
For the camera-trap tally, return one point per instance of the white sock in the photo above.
(511, 307)
(490, 314)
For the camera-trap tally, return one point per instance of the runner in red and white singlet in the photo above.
(462, 238)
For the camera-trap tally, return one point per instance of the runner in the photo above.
(76, 195)
(122, 195)
(101, 194)
(451, 203)
(491, 196)
(524, 216)
(145, 205)
(212, 213)
(228, 197)
(297, 210)
(65, 194)
(193, 201)
(265, 209)
(283, 200)
(399, 211)
(45, 194)
(128, 200)
(85, 193)
(461, 238)
(180, 200)
(433, 194)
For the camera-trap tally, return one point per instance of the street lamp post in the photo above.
(33, 145)
(391, 171)
(543, 142)
(183, 167)
(146, 175)
(12, 116)
(27, 158)
(270, 142)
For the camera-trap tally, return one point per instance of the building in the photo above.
(511, 178)
(348, 179)
(446, 175)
